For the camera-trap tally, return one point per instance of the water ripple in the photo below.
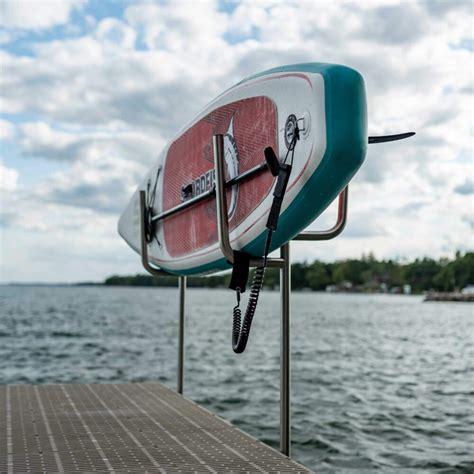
(378, 382)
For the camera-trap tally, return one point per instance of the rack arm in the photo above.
(221, 207)
(182, 290)
(221, 199)
(338, 226)
(144, 244)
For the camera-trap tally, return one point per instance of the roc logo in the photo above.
(205, 182)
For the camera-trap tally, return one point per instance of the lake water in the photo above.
(377, 381)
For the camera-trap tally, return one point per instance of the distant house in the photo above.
(468, 290)
(344, 286)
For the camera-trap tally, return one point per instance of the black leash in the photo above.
(240, 272)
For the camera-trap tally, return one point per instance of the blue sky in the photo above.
(90, 91)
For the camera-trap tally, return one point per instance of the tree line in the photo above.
(365, 274)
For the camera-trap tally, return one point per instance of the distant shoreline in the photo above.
(103, 285)
(428, 296)
(366, 275)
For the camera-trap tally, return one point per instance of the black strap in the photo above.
(240, 271)
(278, 195)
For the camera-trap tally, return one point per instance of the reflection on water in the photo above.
(377, 381)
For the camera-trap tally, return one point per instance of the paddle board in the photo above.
(329, 106)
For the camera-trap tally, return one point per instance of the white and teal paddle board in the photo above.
(329, 104)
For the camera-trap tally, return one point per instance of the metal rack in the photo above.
(283, 263)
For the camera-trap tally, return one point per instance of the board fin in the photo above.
(390, 138)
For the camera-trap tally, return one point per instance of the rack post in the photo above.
(285, 384)
(182, 302)
(181, 289)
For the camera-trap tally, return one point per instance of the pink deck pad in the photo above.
(249, 126)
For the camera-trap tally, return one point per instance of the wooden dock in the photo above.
(140, 427)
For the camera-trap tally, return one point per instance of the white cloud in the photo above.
(465, 188)
(36, 14)
(39, 136)
(106, 103)
(7, 130)
(179, 25)
(70, 244)
(5, 37)
(116, 33)
(101, 181)
(8, 178)
(39, 139)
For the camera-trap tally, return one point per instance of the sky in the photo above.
(91, 91)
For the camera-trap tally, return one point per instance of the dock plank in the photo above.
(139, 427)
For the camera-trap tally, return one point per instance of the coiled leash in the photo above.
(240, 272)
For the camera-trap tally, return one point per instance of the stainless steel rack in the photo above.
(283, 263)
